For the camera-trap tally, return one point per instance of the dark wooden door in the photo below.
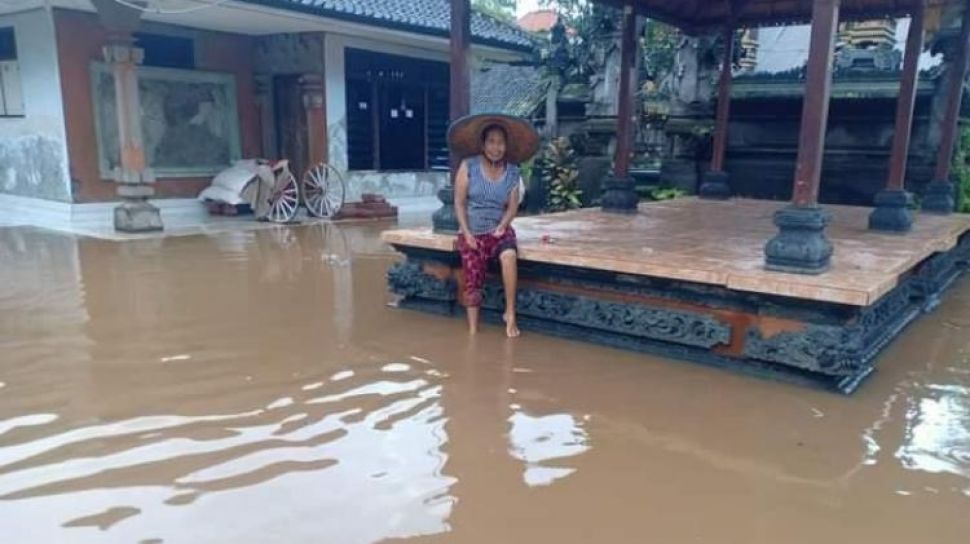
(402, 122)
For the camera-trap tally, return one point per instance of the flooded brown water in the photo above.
(254, 387)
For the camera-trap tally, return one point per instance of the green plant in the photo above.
(557, 164)
(961, 169)
(526, 170)
(664, 193)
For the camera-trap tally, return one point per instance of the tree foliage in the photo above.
(592, 21)
(500, 9)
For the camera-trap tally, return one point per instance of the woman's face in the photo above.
(495, 145)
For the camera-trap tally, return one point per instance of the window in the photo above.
(166, 51)
(11, 92)
(397, 112)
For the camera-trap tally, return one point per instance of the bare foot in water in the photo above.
(511, 329)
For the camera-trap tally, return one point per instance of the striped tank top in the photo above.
(487, 199)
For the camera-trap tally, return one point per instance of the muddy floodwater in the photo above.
(254, 387)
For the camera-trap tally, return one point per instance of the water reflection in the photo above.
(543, 443)
(361, 451)
(938, 432)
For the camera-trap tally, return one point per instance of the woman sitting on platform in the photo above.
(487, 196)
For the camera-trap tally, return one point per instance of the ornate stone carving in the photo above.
(878, 59)
(409, 280)
(838, 350)
(819, 348)
(677, 326)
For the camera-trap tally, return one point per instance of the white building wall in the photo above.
(33, 148)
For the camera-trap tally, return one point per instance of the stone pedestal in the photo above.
(800, 247)
(938, 198)
(137, 216)
(892, 212)
(444, 220)
(716, 186)
(619, 195)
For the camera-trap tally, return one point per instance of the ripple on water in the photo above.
(172, 472)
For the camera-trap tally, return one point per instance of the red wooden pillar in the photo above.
(801, 246)
(444, 219)
(619, 195)
(892, 212)
(314, 105)
(715, 184)
(938, 197)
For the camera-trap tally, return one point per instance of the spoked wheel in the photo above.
(323, 190)
(285, 200)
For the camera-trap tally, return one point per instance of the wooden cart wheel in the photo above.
(285, 200)
(323, 190)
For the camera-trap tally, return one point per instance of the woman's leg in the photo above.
(473, 269)
(510, 280)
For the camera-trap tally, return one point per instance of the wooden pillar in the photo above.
(133, 177)
(263, 88)
(444, 220)
(938, 197)
(624, 116)
(892, 212)
(801, 246)
(619, 195)
(314, 104)
(715, 184)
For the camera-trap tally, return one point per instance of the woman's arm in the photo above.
(511, 209)
(461, 203)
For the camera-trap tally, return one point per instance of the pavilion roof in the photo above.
(698, 15)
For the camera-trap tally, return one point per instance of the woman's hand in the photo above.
(499, 232)
(470, 240)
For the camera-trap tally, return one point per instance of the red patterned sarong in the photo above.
(474, 262)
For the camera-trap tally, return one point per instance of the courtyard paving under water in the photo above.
(255, 387)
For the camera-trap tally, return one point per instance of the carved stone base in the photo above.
(800, 247)
(938, 197)
(137, 216)
(822, 344)
(444, 220)
(716, 186)
(619, 195)
(892, 212)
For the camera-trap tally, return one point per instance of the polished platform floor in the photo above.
(721, 243)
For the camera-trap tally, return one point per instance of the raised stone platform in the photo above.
(686, 279)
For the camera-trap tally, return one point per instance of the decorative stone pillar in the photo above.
(314, 103)
(892, 212)
(619, 194)
(459, 105)
(135, 180)
(938, 196)
(716, 182)
(801, 245)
